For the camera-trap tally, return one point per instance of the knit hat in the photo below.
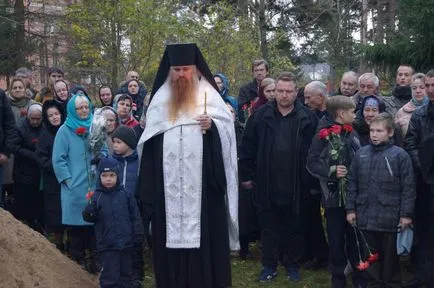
(372, 102)
(108, 164)
(126, 135)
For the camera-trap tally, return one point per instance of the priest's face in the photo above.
(183, 83)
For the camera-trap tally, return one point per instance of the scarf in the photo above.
(417, 103)
(20, 103)
(73, 121)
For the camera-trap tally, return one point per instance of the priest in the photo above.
(188, 174)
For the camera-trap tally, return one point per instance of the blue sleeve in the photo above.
(136, 220)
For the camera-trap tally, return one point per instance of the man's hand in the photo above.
(405, 222)
(351, 218)
(247, 185)
(341, 171)
(204, 121)
(3, 159)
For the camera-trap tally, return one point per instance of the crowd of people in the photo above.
(198, 173)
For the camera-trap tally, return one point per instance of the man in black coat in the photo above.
(250, 91)
(419, 141)
(273, 156)
(401, 92)
(8, 135)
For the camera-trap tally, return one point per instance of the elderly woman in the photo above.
(29, 203)
(123, 105)
(71, 164)
(112, 122)
(419, 98)
(20, 103)
(53, 117)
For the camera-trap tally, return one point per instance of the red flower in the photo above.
(372, 257)
(324, 133)
(35, 140)
(89, 195)
(347, 128)
(23, 111)
(336, 129)
(245, 106)
(80, 131)
(363, 265)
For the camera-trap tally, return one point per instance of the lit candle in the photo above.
(204, 112)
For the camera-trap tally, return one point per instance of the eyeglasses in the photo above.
(82, 108)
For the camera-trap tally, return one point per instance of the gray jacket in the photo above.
(381, 187)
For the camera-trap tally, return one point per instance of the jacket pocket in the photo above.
(388, 212)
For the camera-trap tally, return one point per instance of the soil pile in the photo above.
(28, 259)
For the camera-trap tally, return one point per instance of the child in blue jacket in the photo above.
(118, 226)
(124, 151)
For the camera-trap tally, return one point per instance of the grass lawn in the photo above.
(245, 275)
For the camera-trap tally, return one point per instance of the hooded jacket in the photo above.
(115, 213)
(225, 92)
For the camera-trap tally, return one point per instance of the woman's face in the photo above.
(35, 118)
(61, 90)
(110, 121)
(82, 108)
(133, 88)
(54, 116)
(269, 91)
(418, 89)
(369, 113)
(18, 90)
(106, 96)
(124, 108)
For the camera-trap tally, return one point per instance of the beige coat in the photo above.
(402, 117)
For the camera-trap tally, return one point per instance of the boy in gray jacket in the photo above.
(380, 197)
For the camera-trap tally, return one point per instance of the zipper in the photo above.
(125, 172)
(388, 166)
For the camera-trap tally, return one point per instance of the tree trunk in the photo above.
(263, 29)
(20, 33)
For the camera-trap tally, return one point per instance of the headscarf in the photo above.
(34, 107)
(115, 104)
(73, 121)
(47, 105)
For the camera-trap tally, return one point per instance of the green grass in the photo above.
(245, 275)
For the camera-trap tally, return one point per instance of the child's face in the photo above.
(119, 147)
(347, 116)
(108, 179)
(379, 133)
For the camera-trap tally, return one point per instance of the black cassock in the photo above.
(205, 267)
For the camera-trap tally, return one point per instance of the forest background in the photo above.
(107, 38)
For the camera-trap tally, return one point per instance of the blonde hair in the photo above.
(339, 102)
(267, 81)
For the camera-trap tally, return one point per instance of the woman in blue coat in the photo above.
(71, 164)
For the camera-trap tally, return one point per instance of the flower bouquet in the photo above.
(335, 135)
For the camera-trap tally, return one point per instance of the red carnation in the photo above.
(336, 129)
(245, 106)
(89, 195)
(363, 265)
(373, 257)
(35, 140)
(23, 111)
(80, 131)
(347, 128)
(324, 133)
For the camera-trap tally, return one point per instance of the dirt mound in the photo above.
(27, 260)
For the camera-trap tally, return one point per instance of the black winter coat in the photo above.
(51, 187)
(420, 128)
(256, 149)
(27, 164)
(319, 163)
(8, 131)
(381, 187)
(247, 93)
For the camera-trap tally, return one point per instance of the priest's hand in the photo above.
(247, 185)
(204, 121)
